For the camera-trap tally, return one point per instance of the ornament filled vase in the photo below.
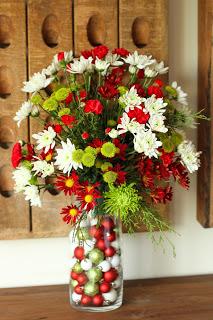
(96, 277)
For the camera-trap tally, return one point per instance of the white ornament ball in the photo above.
(115, 244)
(93, 222)
(76, 297)
(73, 262)
(88, 246)
(86, 264)
(104, 266)
(115, 261)
(117, 283)
(110, 296)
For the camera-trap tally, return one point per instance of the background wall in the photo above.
(46, 261)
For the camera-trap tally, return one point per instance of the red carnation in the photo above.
(69, 98)
(60, 56)
(30, 152)
(140, 89)
(93, 106)
(16, 155)
(121, 52)
(139, 115)
(156, 91)
(108, 91)
(86, 53)
(68, 120)
(85, 135)
(57, 128)
(115, 77)
(158, 82)
(100, 52)
(140, 74)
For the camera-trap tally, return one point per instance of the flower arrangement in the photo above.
(113, 137)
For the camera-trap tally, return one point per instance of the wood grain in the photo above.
(205, 130)
(14, 211)
(49, 21)
(105, 13)
(185, 298)
(149, 19)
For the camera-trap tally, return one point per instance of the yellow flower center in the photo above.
(73, 212)
(88, 198)
(117, 150)
(48, 157)
(69, 183)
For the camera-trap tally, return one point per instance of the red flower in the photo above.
(140, 89)
(108, 91)
(68, 120)
(69, 98)
(86, 53)
(85, 135)
(156, 91)
(30, 152)
(140, 74)
(57, 128)
(97, 144)
(93, 106)
(158, 82)
(161, 195)
(100, 52)
(121, 52)
(121, 148)
(88, 197)
(60, 56)
(107, 130)
(180, 174)
(121, 175)
(71, 213)
(166, 157)
(47, 156)
(82, 95)
(115, 77)
(139, 115)
(16, 156)
(68, 184)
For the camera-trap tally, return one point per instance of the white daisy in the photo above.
(32, 194)
(52, 68)
(43, 167)
(181, 95)
(45, 139)
(154, 105)
(146, 142)
(80, 65)
(131, 99)
(128, 124)
(156, 122)
(154, 69)
(138, 61)
(21, 176)
(101, 65)
(23, 112)
(113, 134)
(64, 158)
(113, 59)
(67, 57)
(189, 155)
(37, 82)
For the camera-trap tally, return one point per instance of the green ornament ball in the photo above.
(91, 289)
(94, 274)
(73, 283)
(77, 267)
(83, 234)
(96, 256)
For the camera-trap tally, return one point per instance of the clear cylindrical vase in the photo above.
(96, 277)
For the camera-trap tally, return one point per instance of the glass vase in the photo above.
(96, 277)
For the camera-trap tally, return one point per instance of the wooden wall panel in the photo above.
(205, 100)
(143, 26)
(95, 23)
(43, 43)
(14, 211)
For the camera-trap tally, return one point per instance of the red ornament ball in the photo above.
(110, 236)
(79, 253)
(82, 279)
(85, 300)
(107, 223)
(96, 233)
(79, 289)
(110, 275)
(105, 287)
(74, 275)
(101, 244)
(98, 300)
(109, 252)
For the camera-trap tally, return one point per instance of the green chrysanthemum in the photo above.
(36, 100)
(122, 90)
(63, 111)
(77, 155)
(88, 159)
(98, 163)
(108, 150)
(110, 177)
(105, 166)
(61, 94)
(122, 201)
(50, 104)
(91, 150)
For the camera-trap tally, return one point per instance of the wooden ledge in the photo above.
(181, 298)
